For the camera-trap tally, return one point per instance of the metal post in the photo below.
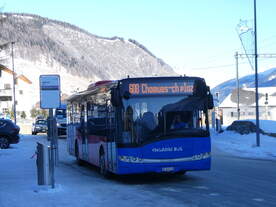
(13, 76)
(51, 136)
(238, 85)
(256, 79)
(266, 106)
(55, 137)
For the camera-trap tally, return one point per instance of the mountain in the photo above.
(266, 79)
(44, 46)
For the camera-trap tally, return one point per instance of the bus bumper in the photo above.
(136, 168)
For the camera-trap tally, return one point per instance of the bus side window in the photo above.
(128, 119)
(128, 125)
(96, 123)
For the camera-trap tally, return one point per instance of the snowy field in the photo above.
(82, 186)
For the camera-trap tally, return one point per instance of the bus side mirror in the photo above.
(115, 97)
(126, 95)
(210, 101)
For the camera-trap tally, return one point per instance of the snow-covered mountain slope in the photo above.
(44, 46)
(266, 79)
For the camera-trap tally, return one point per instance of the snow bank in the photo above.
(245, 145)
(268, 126)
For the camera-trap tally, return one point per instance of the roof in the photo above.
(247, 97)
(92, 88)
(21, 77)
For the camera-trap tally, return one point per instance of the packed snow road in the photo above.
(231, 182)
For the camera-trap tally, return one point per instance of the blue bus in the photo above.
(142, 125)
(60, 115)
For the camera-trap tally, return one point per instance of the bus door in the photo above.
(83, 131)
(111, 146)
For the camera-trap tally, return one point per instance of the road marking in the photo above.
(201, 187)
(258, 199)
(214, 194)
(170, 189)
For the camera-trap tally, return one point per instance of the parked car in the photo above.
(40, 126)
(9, 133)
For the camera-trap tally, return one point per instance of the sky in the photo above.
(195, 37)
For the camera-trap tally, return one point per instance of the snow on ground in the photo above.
(245, 145)
(75, 186)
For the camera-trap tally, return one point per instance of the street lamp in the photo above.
(13, 77)
(256, 67)
(256, 78)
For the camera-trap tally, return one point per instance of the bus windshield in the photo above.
(147, 118)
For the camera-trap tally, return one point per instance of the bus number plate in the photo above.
(167, 169)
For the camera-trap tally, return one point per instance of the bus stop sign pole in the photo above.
(51, 137)
(50, 99)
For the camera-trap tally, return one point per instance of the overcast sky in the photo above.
(195, 37)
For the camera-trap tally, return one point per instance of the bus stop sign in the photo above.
(49, 91)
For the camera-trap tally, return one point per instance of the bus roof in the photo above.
(163, 78)
(107, 84)
(93, 88)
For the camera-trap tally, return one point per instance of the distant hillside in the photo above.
(49, 46)
(266, 79)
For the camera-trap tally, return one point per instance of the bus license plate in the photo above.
(167, 169)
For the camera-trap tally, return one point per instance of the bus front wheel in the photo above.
(180, 173)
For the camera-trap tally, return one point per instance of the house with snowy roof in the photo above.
(247, 104)
(23, 92)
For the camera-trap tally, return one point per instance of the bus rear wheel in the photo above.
(103, 170)
(77, 154)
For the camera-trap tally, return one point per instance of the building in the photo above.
(267, 104)
(23, 93)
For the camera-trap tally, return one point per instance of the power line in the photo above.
(216, 66)
(263, 55)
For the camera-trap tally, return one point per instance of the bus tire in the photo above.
(4, 143)
(103, 170)
(180, 173)
(102, 164)
(77, 154)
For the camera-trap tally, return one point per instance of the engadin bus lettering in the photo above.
(142, 125)
(167, 149)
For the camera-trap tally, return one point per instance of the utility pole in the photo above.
(238, 85)
(13, 77)
(256, 78)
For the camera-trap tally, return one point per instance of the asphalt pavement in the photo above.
(231, 182)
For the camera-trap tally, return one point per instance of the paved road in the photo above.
(231, 182)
